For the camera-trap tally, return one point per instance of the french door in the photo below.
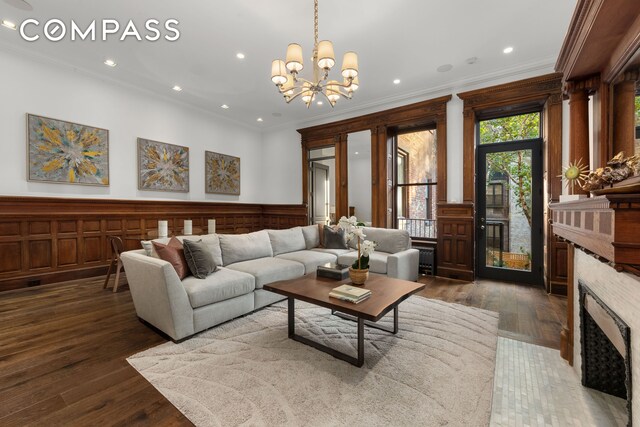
(509, 216)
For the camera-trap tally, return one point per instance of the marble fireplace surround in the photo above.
(621, 293)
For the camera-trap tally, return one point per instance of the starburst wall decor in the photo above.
(574, 173)
(162, 166)
(222, 173)
(67, 153)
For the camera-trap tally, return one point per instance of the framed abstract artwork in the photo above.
(66, 153)
(222, 173)
(162, 166)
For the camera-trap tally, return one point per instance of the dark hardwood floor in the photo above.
(63, 349)
(527, 313)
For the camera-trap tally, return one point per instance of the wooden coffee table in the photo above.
(386, 294)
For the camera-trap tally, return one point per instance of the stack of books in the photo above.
(350, 293)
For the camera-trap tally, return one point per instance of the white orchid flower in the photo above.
(368, 247)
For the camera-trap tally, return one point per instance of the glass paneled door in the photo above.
(509, 216)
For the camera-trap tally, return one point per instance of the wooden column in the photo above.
(624, 94)
(469, 155)
(379, 176)
(342, 176)
(578, 127)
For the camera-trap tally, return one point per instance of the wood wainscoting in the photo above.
(455, 241)
(48, 240)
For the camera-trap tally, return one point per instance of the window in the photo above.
(495, 197)
(416, 186)
(511, 128)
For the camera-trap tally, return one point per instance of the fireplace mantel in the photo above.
(607, 226)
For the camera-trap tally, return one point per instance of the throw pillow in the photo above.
(334, 239)
(311, 236)
(173, 253)
(199, 258)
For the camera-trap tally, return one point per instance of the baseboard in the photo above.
(53, 277)
(454, 273)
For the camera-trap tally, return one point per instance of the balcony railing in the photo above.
(419, 228)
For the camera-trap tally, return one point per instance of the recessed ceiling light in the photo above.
(396, 82)
(224, 106)
(472, 60)
(259, 119)
(177, 88)
(240, 55)
(320, 102)
(356, 153)
(110, 63)
(507, 49)
(8, 24)
(444, 68)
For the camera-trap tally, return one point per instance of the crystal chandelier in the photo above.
(285, 74)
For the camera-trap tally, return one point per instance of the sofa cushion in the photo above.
(377, 261)
(311, 235)
(388, 240)
(310, 259)
(213, 243)
(199, 258)
(336, 252)
(334, 238)
(173, 253)
(244, 247)
(223, 285)
(269, 270)
(285, 241)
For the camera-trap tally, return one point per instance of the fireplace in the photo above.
(605, 348)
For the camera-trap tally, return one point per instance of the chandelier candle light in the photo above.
(285, 74)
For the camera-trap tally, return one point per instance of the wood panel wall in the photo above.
(47, 240)
(455, 241)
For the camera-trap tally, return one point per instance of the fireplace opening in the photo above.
(606, 348)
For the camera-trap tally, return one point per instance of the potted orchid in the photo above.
(359, 271)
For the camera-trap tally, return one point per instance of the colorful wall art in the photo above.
(66, 153)
(162, 166)
(222, 174)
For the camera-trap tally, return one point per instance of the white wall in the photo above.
(282, 159)
(359, 173)
(284, 149)
(32, 86)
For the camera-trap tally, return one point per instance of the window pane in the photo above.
(322, 152)
(514, 128)
(418, 212)
(420, 150)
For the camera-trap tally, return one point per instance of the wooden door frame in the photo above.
(547, 91)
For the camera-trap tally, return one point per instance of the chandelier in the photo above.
(285, 74)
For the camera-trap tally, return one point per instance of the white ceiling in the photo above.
(405, 39)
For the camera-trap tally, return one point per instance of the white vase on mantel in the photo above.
(572, 197)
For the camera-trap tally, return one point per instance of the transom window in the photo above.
(511, 128)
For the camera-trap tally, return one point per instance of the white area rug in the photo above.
(438, 370)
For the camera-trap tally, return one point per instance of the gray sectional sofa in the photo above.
(181, 308)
